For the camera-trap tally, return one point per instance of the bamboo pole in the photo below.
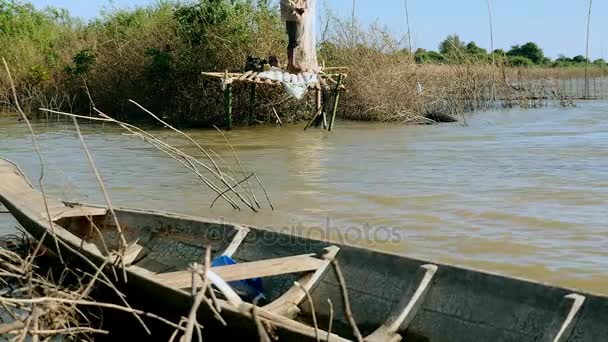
(323, 111)
(488, 2)
(409, 34)
(336, 101)
(228, 101)
(587, 50)
(320, 109)
(317, 113)
(352, 28)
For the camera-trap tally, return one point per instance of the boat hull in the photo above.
(391, 295)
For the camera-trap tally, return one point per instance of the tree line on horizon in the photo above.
(454, 50)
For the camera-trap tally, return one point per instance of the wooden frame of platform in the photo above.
(327, 84)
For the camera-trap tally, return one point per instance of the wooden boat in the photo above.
(392, 297)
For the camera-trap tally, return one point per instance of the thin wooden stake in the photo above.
(336, 101)
(228, 101)
(586, 95)
(277, 116)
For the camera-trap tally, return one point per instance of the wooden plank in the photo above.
(236, 241)
(248, 270)
(252, 76)
(77, 211)
(245, 75)
(221, 74)
(132, 254)
(405, 312)
(574, 302)
(287, 304)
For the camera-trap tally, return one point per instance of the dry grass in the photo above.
(155, 55)
(22, 284)
(385, 84)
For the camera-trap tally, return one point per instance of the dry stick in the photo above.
(164, 147)
(312, 309)
(264, 189)
(346, 301)
(199, 298)
(169, 150)
(42, 300)
(41, 178)
(184, 155)
(218, 196)
(12, 326)
(238, 162)
(35, 317)
(262, 333)
(70, 331)
(331, 318)
(87, 289)
(219, 172)
(213, 306)
(123, 241)
(107, 282)
(277, 115)
(28, 321)
(20, 171)
(214, 300)
(174, 335)
(146, 136)
(216, 155)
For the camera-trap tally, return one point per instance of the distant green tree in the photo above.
(473, 49)
(424, 56)
(518, 61)
(530, 50)
(579, 59)
(599, 61)
(451, 45)
(421, 55)
(436, 56)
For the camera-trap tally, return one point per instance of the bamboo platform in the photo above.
(327, 83)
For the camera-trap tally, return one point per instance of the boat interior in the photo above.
(167, 246)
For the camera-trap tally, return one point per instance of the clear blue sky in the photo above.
(558, 26)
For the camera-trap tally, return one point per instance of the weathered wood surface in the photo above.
(287, 304)
(248, 270)
(252, 77)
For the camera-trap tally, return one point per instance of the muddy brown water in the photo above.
(516, 192)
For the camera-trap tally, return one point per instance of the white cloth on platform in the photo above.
(295, 85)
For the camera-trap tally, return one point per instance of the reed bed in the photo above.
(385, 84)
(155, 55)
